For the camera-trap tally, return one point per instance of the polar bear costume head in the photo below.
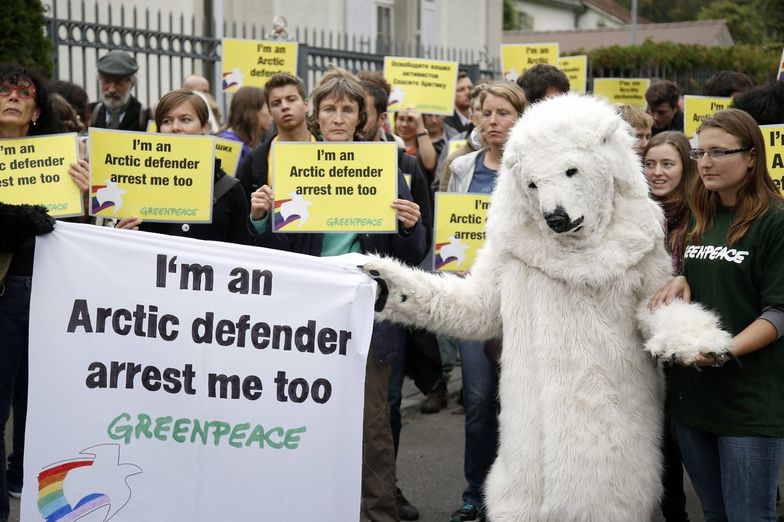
(571, 197)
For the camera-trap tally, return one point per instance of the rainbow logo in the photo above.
(53, 504)
(105, 196)
(290, 210)
(448, 252)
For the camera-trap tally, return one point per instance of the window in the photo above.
(383, 28)
(525, 20)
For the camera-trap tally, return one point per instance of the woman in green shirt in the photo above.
(729, 419)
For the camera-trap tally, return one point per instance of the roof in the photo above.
(704, 32)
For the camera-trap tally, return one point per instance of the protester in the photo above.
(473, 139)
(338, 115)
(194, 82)
(288, 107)
(663, 99)
(185, 112)
(764, 103)
(727, 83)
(440, 134)
(118, 109)
(502, 104)
(641, 123)
(25, 110)
(727, 417)
(543, 81)
(410, 126)
(670, 173)
(249, 119)
(462, 117)
(76, 97)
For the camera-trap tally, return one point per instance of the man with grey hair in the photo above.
(198, 83)
(118, 109)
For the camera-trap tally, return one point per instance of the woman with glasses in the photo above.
(728, 417)
(25, 110)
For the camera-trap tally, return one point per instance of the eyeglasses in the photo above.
(25, 91)
(715, 154)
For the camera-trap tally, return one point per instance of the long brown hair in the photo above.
(244, 114)
(755, 195)
(674, 203)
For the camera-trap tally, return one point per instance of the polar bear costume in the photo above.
(574, 250)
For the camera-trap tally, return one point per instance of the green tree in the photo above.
(22, 38)
(744, 19)
(511, 16)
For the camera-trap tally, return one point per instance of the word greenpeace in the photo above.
(715, 252)
(168, 211)
(204, 432)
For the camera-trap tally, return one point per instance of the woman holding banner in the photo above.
(502, 104)
(25, 110)
(728, 418)
(184, 112)
(338, 115)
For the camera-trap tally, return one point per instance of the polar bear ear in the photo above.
(606, 128)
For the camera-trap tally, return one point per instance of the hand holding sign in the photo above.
(261, 202)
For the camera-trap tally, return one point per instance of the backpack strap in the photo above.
(223, 185)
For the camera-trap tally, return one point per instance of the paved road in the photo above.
(430, 463)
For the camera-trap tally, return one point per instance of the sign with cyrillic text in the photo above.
(459, 230)
(518, 58)
(228, 151)
(426, 85)
(334, 187)
(252, 62)
(622, 91)
(35, 171)
(193, 381)
(155, 177)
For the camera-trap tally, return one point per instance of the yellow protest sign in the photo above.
(518, 58)
(228, 152)
(156, 177)
(151, 126)
(428, 85)
(774, 151)
(252, 62)
(576, 69)
(35, 171)
(459, 230)
(334, 186)
(454, 145)
(697, 108)
(622, 91)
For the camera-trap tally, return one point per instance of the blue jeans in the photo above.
(735, 477)
(14, 320)
(480, 388)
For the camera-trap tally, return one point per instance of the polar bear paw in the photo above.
(681, 331)
(400, 289)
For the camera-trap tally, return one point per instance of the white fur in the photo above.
(581, 400)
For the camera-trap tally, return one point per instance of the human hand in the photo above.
(129, 223)
(261, 201)
(676, 288)
(80, 174)
(407, 212)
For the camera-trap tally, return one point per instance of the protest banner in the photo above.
(35, 171)
(228, 151)
(774, 152)
(459, 231)
(183, 380)
(697, 108)
(622, 91)
(252, 62)
(518, 58)
(156, 177)
(454, 145)
(576, 69)
(427, 85)
(334, 187)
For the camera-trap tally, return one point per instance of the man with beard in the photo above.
(118, 109)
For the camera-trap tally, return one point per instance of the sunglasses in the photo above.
(25, 91)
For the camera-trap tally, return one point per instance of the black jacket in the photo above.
(135, 118)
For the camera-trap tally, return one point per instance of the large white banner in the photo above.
(180, 380)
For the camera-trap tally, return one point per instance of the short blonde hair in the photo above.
(509, 91)
(635, 116)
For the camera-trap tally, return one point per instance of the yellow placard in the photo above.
(151, 126)
(622, 91)
(156, 177)
(35, 171)
(228, 152)
(576, 69)
(252, 62)
(427, 85)
(459, 230)
(454, 145)
(334, 187)
(774, 151)
(697, 108)
(518, 58)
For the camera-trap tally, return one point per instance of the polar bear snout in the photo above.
(559, 220)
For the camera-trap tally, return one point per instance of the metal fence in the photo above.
(170, 47)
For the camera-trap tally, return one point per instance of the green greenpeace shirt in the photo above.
(736, 282)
